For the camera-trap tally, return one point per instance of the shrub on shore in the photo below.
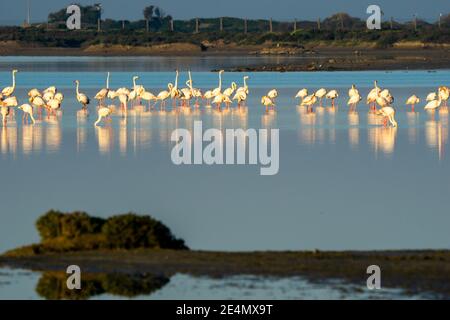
(77, 231)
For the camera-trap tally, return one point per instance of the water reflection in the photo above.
(52, 285)
(382, 139)
(436, 135)
(353, 129)
(141, 128)
(412, 121)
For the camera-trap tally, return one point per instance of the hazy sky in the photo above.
(15, 10)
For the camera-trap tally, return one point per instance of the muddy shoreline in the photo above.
(303, 59)
(413, 271)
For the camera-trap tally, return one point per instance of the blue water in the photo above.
(345, 182)
(21, 284)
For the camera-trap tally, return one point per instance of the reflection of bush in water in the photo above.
(52, 285)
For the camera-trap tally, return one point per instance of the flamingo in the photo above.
(196, 93)
(147, 96)
(240, 96)
(49, 95)
(103, 93)
(372, 96)
(272, 94)
(389, 114)
(245, 87)
(81, 97)
(208, 95)
(27, 111)
(229, 91)
(8, 91)
(432, 96)
(302, 93)
(10, 102)
(219, 99)
(444, 94)
(103, 112)
(267, 102)
(320, 94)
(123, 98)
(218, 90)
(186, 95)
(163, 95)
(353, 91)
(174, 92)
(333, 94)
(353, 101)
(51, 89)
(59, 96)
(53, 105)
(433, 104)
(413, 100)
(34, 93)
(309, 101)
(38, 102)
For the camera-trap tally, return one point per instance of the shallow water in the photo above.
(22, 284)
(345, 182)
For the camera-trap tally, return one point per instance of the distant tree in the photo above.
(148, 12)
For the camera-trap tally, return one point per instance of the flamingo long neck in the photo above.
(107, 81)
(245, 82)
(14, 80)
(190, 81)
(176, 81)
(98, 120)
(220, 81)
(134, 83)
(78, 84)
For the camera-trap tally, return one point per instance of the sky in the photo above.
(14, 11)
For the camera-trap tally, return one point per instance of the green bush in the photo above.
(49, 225)
(64, 232)
(132, 231)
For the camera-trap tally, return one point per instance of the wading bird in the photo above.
(81, 97)
(102, 112)
(389, 115)
(272, 95)
(27, 112)
(103, 93)
(444, 94)
(301, 94)
(245, 87)
(267, 102)
(309, 101)
(353, 91)
(240, 96)
(433, 105)
(320, 94)
(332, 94)
(353, 101)
(413, 100)
(8, 91)
(218, 90)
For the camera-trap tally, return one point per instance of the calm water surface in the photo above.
(345, 182)
(23, 284)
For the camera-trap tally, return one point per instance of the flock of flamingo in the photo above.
(51, 100)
